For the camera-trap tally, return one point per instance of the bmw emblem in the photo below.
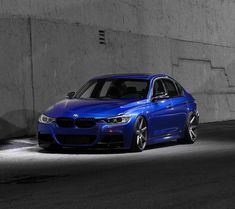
(75, 116)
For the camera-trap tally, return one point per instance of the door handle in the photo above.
(169, 106)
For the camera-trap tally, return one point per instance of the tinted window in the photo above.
(89, 91)
(180, 89)
(170, 87)
(115, 89)
(158, 87)
(104, 90)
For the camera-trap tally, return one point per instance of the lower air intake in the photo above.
(76, 139)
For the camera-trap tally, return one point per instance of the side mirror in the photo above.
(160, 96)
(70, 95)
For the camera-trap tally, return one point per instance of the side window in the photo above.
(171, 88)
(158, 87)
(180, 89)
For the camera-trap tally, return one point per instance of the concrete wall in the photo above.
(16, 108)
(48, 48)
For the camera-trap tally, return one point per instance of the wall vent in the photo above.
(102, 37)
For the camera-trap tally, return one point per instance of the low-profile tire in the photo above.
(140, 135)
(191, 129)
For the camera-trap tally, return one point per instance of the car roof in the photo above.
(145, 76)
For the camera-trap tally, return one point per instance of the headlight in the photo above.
(45, 119)
(118, 119)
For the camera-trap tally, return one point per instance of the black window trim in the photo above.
(172, 80)
(155, 80)
(181, 93)
(176, 87)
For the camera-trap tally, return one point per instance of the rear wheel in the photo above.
(140, 135)
(191, 129)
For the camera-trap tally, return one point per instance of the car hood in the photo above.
(92, 107)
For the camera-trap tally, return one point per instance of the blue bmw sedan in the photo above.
(121, 111)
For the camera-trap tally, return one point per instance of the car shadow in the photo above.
(95, 151)
(162, 145)
(91, 151)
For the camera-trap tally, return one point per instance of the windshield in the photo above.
(114, 89)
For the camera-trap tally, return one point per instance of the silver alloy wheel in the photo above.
(141, 133)
(193, 128)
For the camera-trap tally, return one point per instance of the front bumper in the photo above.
(100, 135)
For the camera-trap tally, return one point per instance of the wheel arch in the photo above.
(144, 116)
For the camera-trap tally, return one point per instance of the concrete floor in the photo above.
(201, 175)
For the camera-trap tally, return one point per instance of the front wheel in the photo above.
(140, 135)
(191, 129)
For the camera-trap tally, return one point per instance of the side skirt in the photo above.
(164, 138)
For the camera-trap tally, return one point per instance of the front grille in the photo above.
(85, 122)
(76, 139)
(65, 122)
(80, 122)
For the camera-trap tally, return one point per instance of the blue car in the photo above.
(121, 111)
